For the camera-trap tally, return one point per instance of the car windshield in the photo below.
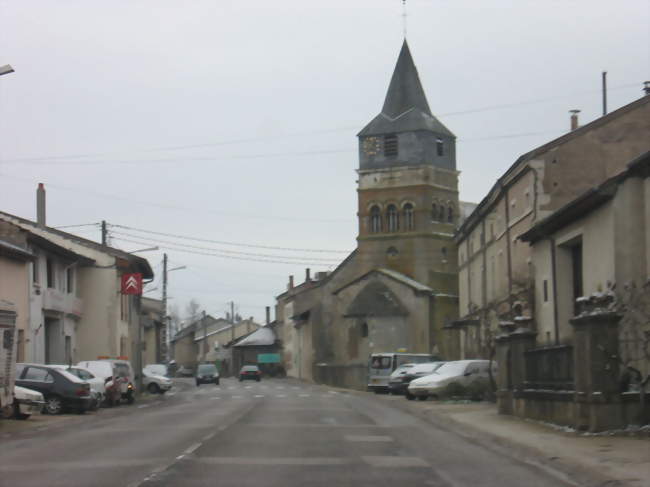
(207, 369)
(381, 363)
(451, 368)
(157, 369)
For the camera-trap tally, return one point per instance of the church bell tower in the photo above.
(408, 186)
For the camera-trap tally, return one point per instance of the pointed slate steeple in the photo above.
(405, 90)
(405, 107)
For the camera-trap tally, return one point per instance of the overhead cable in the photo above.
(223, 256)
(157, 241)
(221, 242)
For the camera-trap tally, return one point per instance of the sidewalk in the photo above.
(613, 460)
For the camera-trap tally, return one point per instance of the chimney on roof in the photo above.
(40, 205)
(574, 119)
(290, 282)
(268, 315)
(307, 275)
(646, 87)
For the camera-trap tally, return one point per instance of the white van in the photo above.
(381, 365)
(114, 372)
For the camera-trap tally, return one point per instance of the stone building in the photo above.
(496, 269)
(398, 288)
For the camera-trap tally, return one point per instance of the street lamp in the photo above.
(168, 337)
(6, 69)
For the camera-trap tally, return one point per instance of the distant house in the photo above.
(205, 340)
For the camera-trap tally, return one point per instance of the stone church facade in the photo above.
(398, 289)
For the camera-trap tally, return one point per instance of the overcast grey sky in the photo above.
(236, 121)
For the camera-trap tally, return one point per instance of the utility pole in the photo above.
(165, 330)
(104, 233)
(205, 337)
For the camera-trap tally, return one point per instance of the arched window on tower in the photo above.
(450, 215)
(440, 147)
(434, 212)
(441, 213)
(393, 218)
(375, 219)
(409, 224)
(390, 145)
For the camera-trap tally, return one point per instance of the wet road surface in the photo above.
(272, 433)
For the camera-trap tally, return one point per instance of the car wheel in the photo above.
(153, 388)
(422, 398)
(198, 384)
(258, 379)
(409, 396)
(53, 405)
(216, 383)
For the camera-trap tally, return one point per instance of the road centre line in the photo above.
(368, 438)
(295, 461)
(192, 448)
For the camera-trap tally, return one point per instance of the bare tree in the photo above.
(192, 309)
(175, 318)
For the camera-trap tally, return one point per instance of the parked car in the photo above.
(462, 373)
(250, 372)
(398, 383)
(27, 402)
(155, 383)
(118, 378)
(97, 386)
(157, 369)
(207, 374)
(61, 390)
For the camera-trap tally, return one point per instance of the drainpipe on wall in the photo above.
(556, 326)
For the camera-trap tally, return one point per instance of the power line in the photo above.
(173, 207)
(225, 251)
(275, 137)
(221, 242)
(79, 225)
(214, 254)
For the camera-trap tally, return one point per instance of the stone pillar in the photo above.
(596, 371)
(504, 383)
(452, 342)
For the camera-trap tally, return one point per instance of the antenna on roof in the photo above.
(404, 15)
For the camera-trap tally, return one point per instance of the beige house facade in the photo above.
(497, 272)
(598, 243)
(105, 321)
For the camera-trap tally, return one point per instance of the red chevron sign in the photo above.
(132, 283)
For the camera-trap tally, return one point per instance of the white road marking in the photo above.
(180, 457)
(248, 387)
(231, 387)
(259, 395)
(208, 437)
(295, 387)
(215, 397)
(237, 397)
(192, 449)
(392, 462)
(144, 406)
(169, 394)
(295, 461)
(332, 392)
(279, 387)
(280, 395)
(369, 438)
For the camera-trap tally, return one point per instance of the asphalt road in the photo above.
(272, 433)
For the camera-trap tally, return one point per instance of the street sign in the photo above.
(268, 358)
(132, 283)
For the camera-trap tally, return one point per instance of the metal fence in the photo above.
(550, 368)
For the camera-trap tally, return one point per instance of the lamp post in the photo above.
(6, 69)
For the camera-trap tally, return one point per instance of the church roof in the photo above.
(405, 107)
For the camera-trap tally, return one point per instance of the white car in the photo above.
(154, 383)
(463, 372)
(97, 385)
(27, 402)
